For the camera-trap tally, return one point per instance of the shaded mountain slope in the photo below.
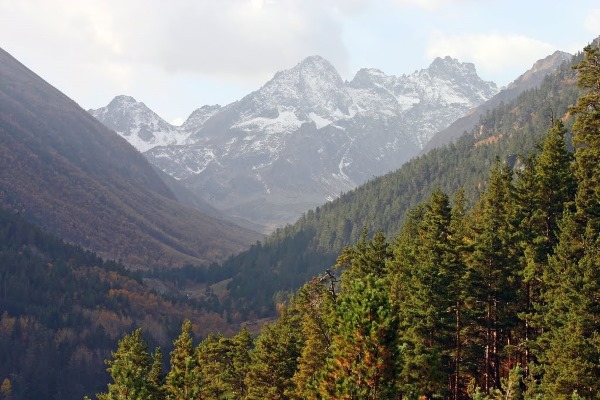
(81, 181)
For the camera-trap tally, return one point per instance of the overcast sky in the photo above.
(178, 55)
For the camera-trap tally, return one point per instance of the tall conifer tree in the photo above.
(183, 379)
(364, 353)
(544, 188)
(315, 302)
(570, 344)
(586, 139)
(131, 370)
(492, 272)
(275, 358)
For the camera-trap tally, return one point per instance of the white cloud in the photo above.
(491, 53)
(234, 39)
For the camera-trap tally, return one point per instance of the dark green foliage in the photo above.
(492, 275)
(570, 344)
(367, 257)
(274, 359)
(224, 363)
(428, 293)
(569, 347)
(586, 138)
(545, 187)
(362, 346)
(133, 371)
(364, 354)
(63, 309)
(183, 380)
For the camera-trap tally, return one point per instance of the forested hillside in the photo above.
(294, 254)
(62, 310)
(498, 300)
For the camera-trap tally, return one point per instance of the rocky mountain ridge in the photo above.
(304, 137)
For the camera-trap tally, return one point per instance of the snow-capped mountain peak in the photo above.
(305, 135)
(367, 78)
(141, 126)
(313, 85)
(449, 66)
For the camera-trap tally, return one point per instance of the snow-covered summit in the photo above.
(304, 136)
(141, 126)
(312, 90)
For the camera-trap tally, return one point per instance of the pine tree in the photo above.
(156, 376)
(458, 288)
(274, 358)
(364, 352)
(241, 345)
(183, 380)
(586, 139)
(214, 356)
(545, 186)
(430, 309)
(366, 257)
(570, 343)
(315, 302)
(569, 348)
(131, 370)
(492, 273)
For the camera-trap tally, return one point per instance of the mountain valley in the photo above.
(421, 229)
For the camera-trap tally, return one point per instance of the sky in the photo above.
(178, 55)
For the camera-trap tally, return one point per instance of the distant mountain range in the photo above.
(69, 174)
(304, 137)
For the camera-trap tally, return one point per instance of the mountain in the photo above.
(137, 123)
(304, 137)
(530, 79)
(71, 175)
(293, 254)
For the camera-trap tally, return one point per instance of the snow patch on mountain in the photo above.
(304, 136)
(138, 124)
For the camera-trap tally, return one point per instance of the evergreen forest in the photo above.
(63, 309)
(490, 292)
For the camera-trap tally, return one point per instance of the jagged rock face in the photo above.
(137, 123)
(306, 135)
